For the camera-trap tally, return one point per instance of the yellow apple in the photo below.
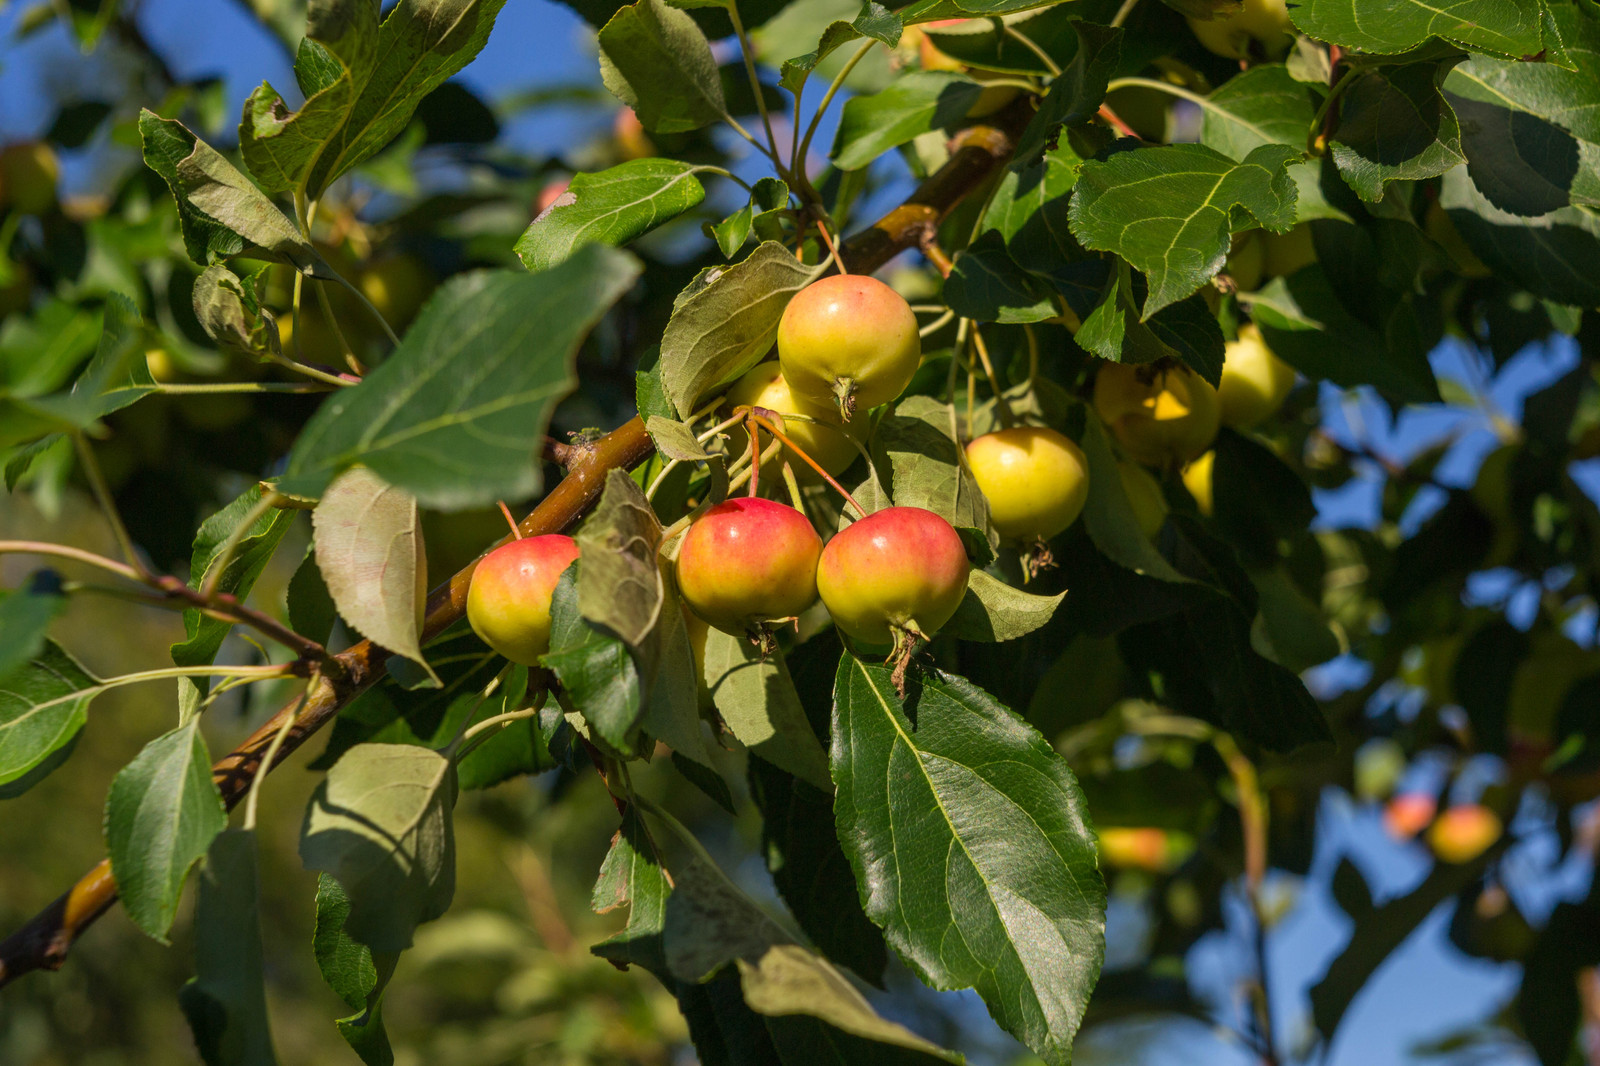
(1162, 417)
(1144, 496)
(1261, 26)
(1197, 479)
(1255, 382)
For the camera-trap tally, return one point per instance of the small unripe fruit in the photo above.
(748, 561)
(1197, 479)
(828, 444)
(1380, 764)
(1464, 832)
(28, 174)
(630, 138)
(1160, 417)
(508, 603)
(1260, 22)
(1144, 493)
(848, 341)
(1035, 479)
(1255, 382)
(899, 571)
(396, 285)
(1408, 814)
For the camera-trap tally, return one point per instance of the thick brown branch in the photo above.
(44, 942)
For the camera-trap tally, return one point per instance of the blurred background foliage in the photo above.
(1442, 605)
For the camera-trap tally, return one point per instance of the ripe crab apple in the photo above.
(1263, 23)
(1161, 417)
(848, 341)
(894, 577)
(1035, 479)
(508, 603)
(1408, 813)
(749, 561)
(1463, 832)
(1254, 380)
(829, 443)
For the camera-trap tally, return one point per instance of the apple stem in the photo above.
(757, 420)
(516, 533)
(755, 455)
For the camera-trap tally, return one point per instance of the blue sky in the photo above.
(1428, 989)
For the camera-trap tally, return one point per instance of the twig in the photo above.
(108, 506)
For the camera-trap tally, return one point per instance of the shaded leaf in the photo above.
(597, 673)
(1108, 516)
(1551, 256)
(310, 604)
(381, 822)
(632, 876)
(810, 870)
(1016, 909)
(353, 972)
(985, 284)
(162, 813)
(455, 414)
(756, 699)
(1262, 105)
(1076, 95)
(611, 207)
(620, 585)
(226, 1002)
(1394, 124)
(25, 616)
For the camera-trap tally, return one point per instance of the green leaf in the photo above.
(1029, 209)
(335, 61)
(368, 540)
(1112, 328)
(914, 104)
(162, 813)
(1075, 96)
(675, 440)
(724, 326)
(874, 21)
(655, 59)
(352, 970)
(1016, 907)
(1523, 164)
(221, 212)
(1551, 256)
(732, 232)
(985, 44)
(1551, 92)
(1394, 124)
(993, 611)
(226, 1002)
(1298, 315)
(620, 585)
(922, 463)
(933, 10)
(204, 634)
(1170, 210)
(612, 207)
(115, 377)
(597, 673)
(1512, 28)
(25, 616)
(228, 309)
(420, 44)
(310, 604)
(44, 701)
(1262, 105)
(810, 871)
(756, 699)
(381, 823)
(455, 414)
(672, 704)
(632, 876)
(985, 284)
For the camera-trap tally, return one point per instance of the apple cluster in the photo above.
(894, 577)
